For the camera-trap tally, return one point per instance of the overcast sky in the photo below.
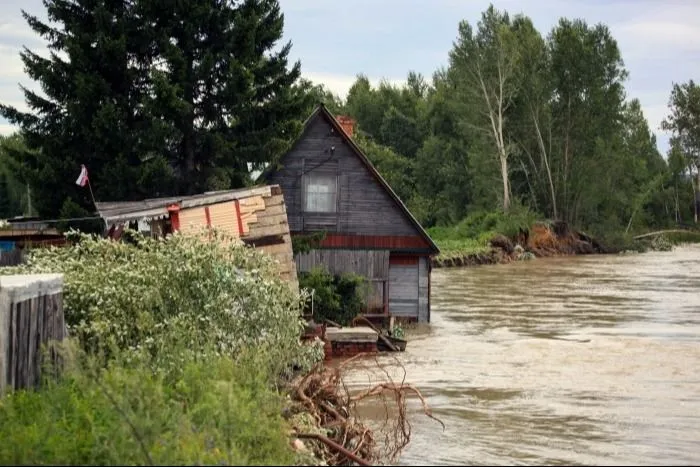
(336, 40)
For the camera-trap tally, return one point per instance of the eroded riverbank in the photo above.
(568, 360)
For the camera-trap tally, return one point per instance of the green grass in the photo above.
(683, 237)
(471, 235)
(216, 411)
(458, 248)
(178, 350)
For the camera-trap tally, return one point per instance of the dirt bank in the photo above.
(542, 240)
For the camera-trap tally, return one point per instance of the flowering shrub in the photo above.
(190, 293)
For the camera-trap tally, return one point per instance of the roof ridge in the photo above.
(358, 151)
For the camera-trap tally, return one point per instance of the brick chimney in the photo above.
(347, 123)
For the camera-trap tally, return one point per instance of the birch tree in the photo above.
(484, 65)
(684, 123)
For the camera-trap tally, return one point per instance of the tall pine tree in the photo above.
(155, 98)
(90, 109)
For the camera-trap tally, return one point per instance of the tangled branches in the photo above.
(340, 437)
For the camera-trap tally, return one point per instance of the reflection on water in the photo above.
(588, 360)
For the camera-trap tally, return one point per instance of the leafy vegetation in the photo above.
(150, 104)
(504, 124)
(177, 346)
(150, 294)
(472, 235)
(338, 298)
(212, 412)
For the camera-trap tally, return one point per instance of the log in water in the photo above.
(585, 360)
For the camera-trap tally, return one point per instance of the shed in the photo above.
(256, 215)
(330, 186)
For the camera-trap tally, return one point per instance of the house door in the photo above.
(403, 286)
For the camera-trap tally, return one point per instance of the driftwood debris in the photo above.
(661, 232)
(323, 394)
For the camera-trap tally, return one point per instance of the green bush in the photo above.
(175, 352)
(473, 233)
(335, 297)
(182, 292)
(214, 411)
(684, 237)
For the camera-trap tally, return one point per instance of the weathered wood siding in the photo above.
(403, 287)
(12, 258)
(371, 264)
(363, 206)
(424, 289)
(31, 316)
(271, 229)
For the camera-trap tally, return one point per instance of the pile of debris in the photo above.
(327, 430)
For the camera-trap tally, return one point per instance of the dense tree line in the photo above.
(517, 119)
(158, 101)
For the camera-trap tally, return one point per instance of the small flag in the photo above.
(83, 177)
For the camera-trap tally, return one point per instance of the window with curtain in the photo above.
(320, 193)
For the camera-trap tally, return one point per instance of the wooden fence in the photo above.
(11, 258)
(31, 317)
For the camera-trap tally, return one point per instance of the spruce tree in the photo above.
(155, 98)
(229, 97)
(90, 109)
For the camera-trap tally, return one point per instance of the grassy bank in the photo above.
(494, 238)
(188, 351)
(470, 239)
(178, 353)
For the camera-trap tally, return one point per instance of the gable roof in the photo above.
(325, 113)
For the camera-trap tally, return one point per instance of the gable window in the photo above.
(320, 192)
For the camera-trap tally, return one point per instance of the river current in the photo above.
(589, 360)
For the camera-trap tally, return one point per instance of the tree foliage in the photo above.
(154, 100)
(518, 117)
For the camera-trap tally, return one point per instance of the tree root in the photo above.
(324, 396)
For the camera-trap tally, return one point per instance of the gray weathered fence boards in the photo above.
(11, 258)
(31, 315)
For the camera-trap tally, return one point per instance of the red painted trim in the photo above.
(238, 217)
(174, 211)
(388, 242)
(206, 213)
(394, 259)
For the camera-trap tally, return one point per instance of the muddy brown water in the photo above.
(580, 360)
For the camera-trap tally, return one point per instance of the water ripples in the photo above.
(564, 361)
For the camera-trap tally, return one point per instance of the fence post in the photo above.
(31, 315)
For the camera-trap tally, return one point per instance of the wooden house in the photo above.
(255, 215)
(330, 186)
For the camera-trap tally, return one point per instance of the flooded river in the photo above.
(587, 360)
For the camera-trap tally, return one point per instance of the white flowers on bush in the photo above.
(186, 291)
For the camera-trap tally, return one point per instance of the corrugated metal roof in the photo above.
(157, 208)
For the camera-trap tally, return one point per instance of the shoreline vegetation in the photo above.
(185, 351)
(496, 238)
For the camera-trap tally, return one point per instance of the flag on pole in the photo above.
(83, 177)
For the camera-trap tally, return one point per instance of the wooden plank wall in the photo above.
(372, 264)
(272, 224)
(31, 316)
(403, 289)
(365, 208)
(11, 258)
(423, 290)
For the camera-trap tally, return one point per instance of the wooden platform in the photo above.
(354, 334)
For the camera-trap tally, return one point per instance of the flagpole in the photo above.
(91, 194)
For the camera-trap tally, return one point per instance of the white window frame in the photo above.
(320, 193)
